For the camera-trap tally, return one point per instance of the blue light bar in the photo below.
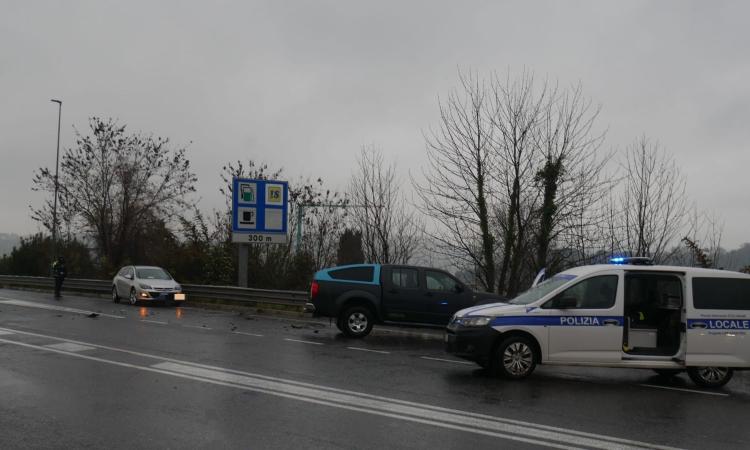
(617, 260)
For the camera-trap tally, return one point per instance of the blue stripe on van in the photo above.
(558, 321)
(720, 324)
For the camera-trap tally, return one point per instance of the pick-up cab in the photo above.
(358, 296)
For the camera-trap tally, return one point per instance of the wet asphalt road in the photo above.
(164, 377)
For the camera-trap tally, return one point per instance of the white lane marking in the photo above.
(154, 321)
(447, 360)
(369, 350)
(693, 391)
(525, 425)
(5, 333)
(198, 327)
(303, 342)
(24, 303)
(247, 334)
(70, 347)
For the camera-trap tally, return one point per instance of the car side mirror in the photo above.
(566, 302)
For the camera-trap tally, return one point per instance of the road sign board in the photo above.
(260, 211)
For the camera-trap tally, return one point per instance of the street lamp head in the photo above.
(56, 101)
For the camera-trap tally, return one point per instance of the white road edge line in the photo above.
(247, 334)
(198, 327)
(447, 360)
(304, 342)
(692, 391)
(154, 321)
(369, 350)
(525, 425)
(28, 304)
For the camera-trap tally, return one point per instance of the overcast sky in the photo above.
(304, 85)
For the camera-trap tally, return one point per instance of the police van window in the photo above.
(353, 274)
(542, 289)
(593, 293)
(721, 293)
(439, 281)
(405, 278)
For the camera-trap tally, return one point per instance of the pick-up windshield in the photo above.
(541, 289)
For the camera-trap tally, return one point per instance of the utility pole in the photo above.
(57, 168)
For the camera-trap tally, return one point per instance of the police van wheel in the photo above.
(710, 377)
(115, 297)
(515, 358)
(357, 321)
(668, 373)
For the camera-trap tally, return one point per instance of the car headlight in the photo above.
(476, 321)
(177, 287)
(145, 286)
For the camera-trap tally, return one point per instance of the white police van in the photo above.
(669, 319)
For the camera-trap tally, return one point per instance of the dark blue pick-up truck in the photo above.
(358, 296)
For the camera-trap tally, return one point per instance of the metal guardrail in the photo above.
(229, 294)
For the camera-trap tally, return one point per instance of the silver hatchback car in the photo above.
(146, 283)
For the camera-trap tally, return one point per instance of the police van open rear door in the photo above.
(718, 321)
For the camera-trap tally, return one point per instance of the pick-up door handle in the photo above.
(428, 294)
(698, 325)
(611, 322)
(392, 291)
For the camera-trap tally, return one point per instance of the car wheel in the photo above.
(115, 297)
(357, 321)
(668, 373)
(515, 358)
(133, 298)
(710, 377)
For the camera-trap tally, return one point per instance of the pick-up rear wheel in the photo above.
(356, 321)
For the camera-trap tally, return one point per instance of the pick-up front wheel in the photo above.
(356, 321)
(710, 377)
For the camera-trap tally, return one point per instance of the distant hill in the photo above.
(7, 242)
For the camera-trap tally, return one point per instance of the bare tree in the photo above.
(390, 229)
(116, 188)
(517, 114)
(653, 206)
(458, 187)
(570, 179)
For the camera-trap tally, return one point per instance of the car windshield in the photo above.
(153, 273)
(541, 289)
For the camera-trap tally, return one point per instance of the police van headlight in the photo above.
(476, 321)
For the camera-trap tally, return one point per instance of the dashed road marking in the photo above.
(692, 391)
(304, 342)
(447, 360)
(247, 334)
(200, 327)
(155, 321)
(69, 347)
(369, 350)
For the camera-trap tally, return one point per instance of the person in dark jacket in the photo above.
(59, 272)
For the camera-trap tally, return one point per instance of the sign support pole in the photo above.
(244, 255)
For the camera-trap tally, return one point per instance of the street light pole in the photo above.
(57, 168)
